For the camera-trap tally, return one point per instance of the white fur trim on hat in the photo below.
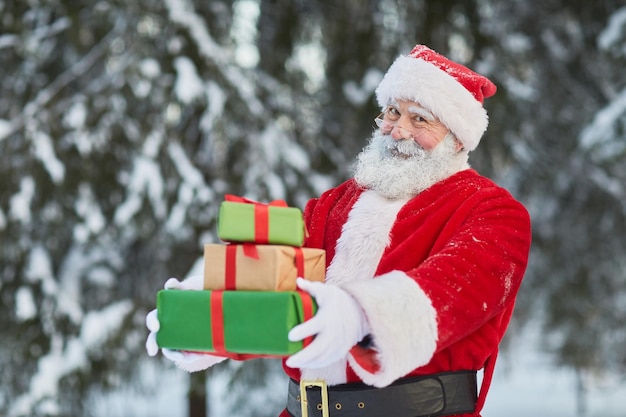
(420, 81)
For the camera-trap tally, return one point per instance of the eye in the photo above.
(392, 113)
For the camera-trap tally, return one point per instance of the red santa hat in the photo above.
(452, 92)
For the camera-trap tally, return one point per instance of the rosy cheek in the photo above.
(427, 141)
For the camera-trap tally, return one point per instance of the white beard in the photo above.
(402, 169)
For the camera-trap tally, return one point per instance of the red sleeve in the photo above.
(453, 280)
(482, 258)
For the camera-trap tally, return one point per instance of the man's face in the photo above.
(404, 119)
(400, 168)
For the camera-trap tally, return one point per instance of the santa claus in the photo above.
(424, 260)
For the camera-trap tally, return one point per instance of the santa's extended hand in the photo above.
(338, 325)
(187, 361)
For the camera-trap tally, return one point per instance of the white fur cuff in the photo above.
(403, 326)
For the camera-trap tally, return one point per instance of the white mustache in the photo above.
(402, 169)
(404, 148)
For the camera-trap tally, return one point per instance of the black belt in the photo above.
(434, 395)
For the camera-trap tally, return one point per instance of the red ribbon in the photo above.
(217, 325)
(230, 269)
(217, 321)
(230, 262)
(299, 261)
(307, 313)
(261, 215)
(250, 250)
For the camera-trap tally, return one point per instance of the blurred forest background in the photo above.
(122, 124)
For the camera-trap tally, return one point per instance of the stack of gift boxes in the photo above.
(249, 300)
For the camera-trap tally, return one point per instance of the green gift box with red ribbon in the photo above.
(242, 220)
(229, 323)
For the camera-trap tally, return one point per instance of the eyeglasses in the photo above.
(386, 127)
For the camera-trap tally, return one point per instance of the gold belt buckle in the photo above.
(303, 398)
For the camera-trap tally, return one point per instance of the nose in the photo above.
(400, 133)
(397, 133)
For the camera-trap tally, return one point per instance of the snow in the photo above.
(39, 268)
(163, 394)
(276, 185)
(527, 382)
(602, 130)
(19, 205)
(6, 128)
(44, 151)
(144, 180)
(321, 183)
(191, 190)
(189, 173)
(310, 58)
(76, 115)
(86, 206)
(268, 399)
(296, 156)
(359, 94)
(189, 85)
(8, 40)
(150, 68)
(98, 326)
(244, 32)
(69, 289)
(614, 32)
(178, 214)
(64, 358)
(3, 224)
(102, 277)
(182, 12)
(25, 308)
(608, 183)
(517, 42)
(538, 388)
(277, 147)
(520, 89)
(216, 100)
(142, 88)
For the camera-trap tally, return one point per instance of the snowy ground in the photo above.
(525, 384)
(537, 389)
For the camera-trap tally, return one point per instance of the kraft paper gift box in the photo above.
(232, 322)
(260, 267)
(250, 221)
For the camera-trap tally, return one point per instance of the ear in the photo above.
(458, 146)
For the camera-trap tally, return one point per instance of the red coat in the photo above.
(436, 276)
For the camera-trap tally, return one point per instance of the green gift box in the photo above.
(260, 223)
(223, 322)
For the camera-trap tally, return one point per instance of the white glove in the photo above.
(187, 361)
(338, 325)
(194, 282)
(192, 362)
(152, 323)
